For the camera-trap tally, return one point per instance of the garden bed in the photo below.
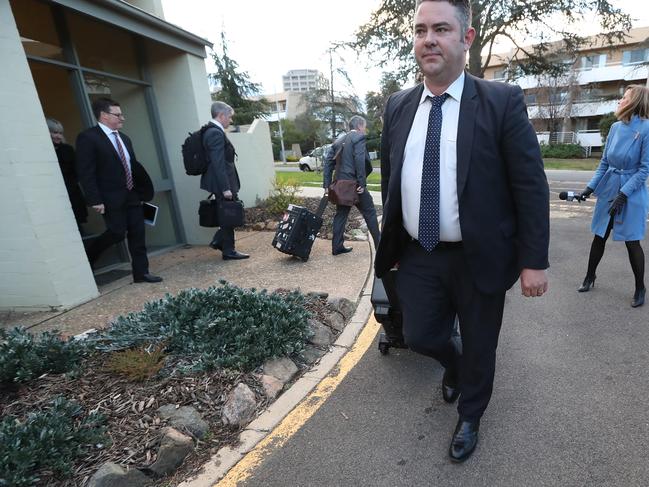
(133, 427)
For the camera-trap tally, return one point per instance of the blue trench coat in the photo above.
(624, 167)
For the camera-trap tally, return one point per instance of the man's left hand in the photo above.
(360, 189)
(534, 282)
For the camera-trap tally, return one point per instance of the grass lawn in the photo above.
(315, 179)
(573, 164)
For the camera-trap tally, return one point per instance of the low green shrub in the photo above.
(292, 158)
(283, 194)
(50, 439)
(221, 326)
(562, 151)
(23, 356)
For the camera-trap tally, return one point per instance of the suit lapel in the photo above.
(403, 123)
(465, 130)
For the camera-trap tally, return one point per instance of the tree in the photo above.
(388, 34)
(375, 103)
(235, 88)
(555, 102)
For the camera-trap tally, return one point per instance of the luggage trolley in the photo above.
(388, 313)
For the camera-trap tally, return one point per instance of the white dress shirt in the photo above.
(110, 134)
(413, 160)
(218, 124)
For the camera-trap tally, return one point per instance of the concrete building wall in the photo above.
(40, 246)
(154, 7)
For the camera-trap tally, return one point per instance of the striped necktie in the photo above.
(122, 157)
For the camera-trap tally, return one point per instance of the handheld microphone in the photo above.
(572, 196)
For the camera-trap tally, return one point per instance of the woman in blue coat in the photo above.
(620, 186)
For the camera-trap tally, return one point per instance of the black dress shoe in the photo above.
(147, 278)
(638, 297)
(450, 390)
(588, 283)
(234, 255)
(216, 245)
(342, 250)
(464, 441)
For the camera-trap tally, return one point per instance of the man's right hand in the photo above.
(101, 209)
(227, 194)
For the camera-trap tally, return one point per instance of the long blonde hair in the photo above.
(638, 104)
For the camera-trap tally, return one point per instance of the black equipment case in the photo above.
(387, 312)
(298, 229)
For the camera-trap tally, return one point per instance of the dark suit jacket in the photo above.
(102, 174)
(221, 174)
(67, 162)
(502, 190)
(354, 157)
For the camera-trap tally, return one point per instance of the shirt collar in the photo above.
(454, 90)
(217, 123)
(107, 130)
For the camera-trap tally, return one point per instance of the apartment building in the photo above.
(304, 80)
(568, 108)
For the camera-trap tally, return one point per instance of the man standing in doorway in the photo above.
(466, 209)
(354, 164)
(221, 177)
(115, 185)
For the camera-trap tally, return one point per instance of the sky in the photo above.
(269, 38)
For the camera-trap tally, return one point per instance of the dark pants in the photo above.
(366, 206)
(120, 223)
(433, 287)
(224, 237)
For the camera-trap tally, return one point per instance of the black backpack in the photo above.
(194, 156)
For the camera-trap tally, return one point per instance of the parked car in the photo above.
(314, 159)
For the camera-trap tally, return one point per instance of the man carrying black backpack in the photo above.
(221, 176)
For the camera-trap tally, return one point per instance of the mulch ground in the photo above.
(133, 427)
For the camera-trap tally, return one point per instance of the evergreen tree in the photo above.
(235, 88)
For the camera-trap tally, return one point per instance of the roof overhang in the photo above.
(126, 16)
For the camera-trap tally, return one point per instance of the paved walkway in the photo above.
(200, 266)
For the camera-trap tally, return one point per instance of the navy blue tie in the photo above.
(429, 203)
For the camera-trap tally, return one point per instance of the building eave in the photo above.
(129, 17)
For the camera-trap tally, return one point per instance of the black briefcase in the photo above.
(231, 213)
(208, 213)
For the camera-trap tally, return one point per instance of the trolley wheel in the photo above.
(384, 344)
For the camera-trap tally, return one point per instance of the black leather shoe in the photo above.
(234, 255)
(450, 390)
(638, 298)
(464, 441)
(147, 278)
(589, 282)
(216, 245)
(342, 250)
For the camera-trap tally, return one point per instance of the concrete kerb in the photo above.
(227, 457)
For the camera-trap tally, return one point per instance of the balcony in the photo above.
(610, 72)
(585, 107)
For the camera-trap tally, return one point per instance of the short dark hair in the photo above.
(103, 105)
(463, 8)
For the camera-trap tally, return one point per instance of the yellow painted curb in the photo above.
(301, 414)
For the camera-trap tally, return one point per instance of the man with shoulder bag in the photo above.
(349, 157)
(221, 177)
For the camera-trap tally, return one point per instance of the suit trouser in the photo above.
(224, 237)
(433, 287)
(124, 222)
(366, 206)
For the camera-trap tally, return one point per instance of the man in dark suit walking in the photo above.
(466, 209)
(354, 164)
(221, 177)
(115, 185)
